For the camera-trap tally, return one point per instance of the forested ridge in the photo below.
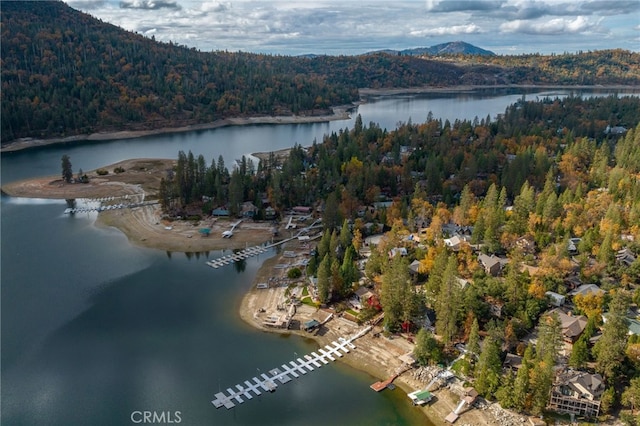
(66, 73)
(551, 187)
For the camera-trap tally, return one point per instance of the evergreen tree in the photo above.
(67, 171)
(448, 302)
(609, 351)
(324, 279)
(521, 382)
(488, 368)
(473, 344)
(427, 350)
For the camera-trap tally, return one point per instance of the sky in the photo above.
(348, 27)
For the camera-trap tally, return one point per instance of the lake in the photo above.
(95, 329)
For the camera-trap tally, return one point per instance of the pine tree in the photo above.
(447, 303)
(324, 279)
(609, 351)
(67, 171)
(487, 372)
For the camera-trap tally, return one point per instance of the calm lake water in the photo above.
(94, 328)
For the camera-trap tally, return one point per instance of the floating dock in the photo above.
(285, 373)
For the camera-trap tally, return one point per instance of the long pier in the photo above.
(286, 372)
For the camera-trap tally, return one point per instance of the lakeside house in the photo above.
(577, 392)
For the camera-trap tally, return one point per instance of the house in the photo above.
(555, 299)
(402, 251)
(632, 323)
(572, 282)
(586, 289)
(310, 325)
(220, 211)
(512, 362)
(577, 392)
(491, 264)
(572, 245)
(269, 213)
(625, 257)
(363, 297)
(248, 210)
(572, 326)
(453, 243)
(414, 267)
(495, 306)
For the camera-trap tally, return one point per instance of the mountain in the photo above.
(450, 48)
(65, 73)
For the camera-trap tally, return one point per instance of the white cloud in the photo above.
(551, 26)
(453, 30)
(339, 27)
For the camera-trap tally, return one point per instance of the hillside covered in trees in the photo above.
(66, 73)
(500, 219)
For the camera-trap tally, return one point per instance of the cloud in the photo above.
(453, 30)
(440, 6)
(149, 4)
(86, 4)
(548, 27)
(215, 6)
(610, 7)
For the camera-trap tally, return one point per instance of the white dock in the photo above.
(285, 373)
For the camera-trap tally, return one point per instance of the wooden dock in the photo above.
(285, 373)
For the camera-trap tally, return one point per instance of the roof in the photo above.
(488, 261)
(586, 289)
(572, 326)
(425, 394)
(311, 323)
(415, 266)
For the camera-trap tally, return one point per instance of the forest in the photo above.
(66, 73)
(551, 187)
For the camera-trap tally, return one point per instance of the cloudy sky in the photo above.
(354, 26)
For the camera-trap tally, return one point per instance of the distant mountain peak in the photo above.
(450, 48)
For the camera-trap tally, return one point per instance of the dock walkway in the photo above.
(286, 372)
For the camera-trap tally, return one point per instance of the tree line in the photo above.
(67, 73)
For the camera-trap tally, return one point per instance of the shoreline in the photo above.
(340, 112)
(376, 356)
